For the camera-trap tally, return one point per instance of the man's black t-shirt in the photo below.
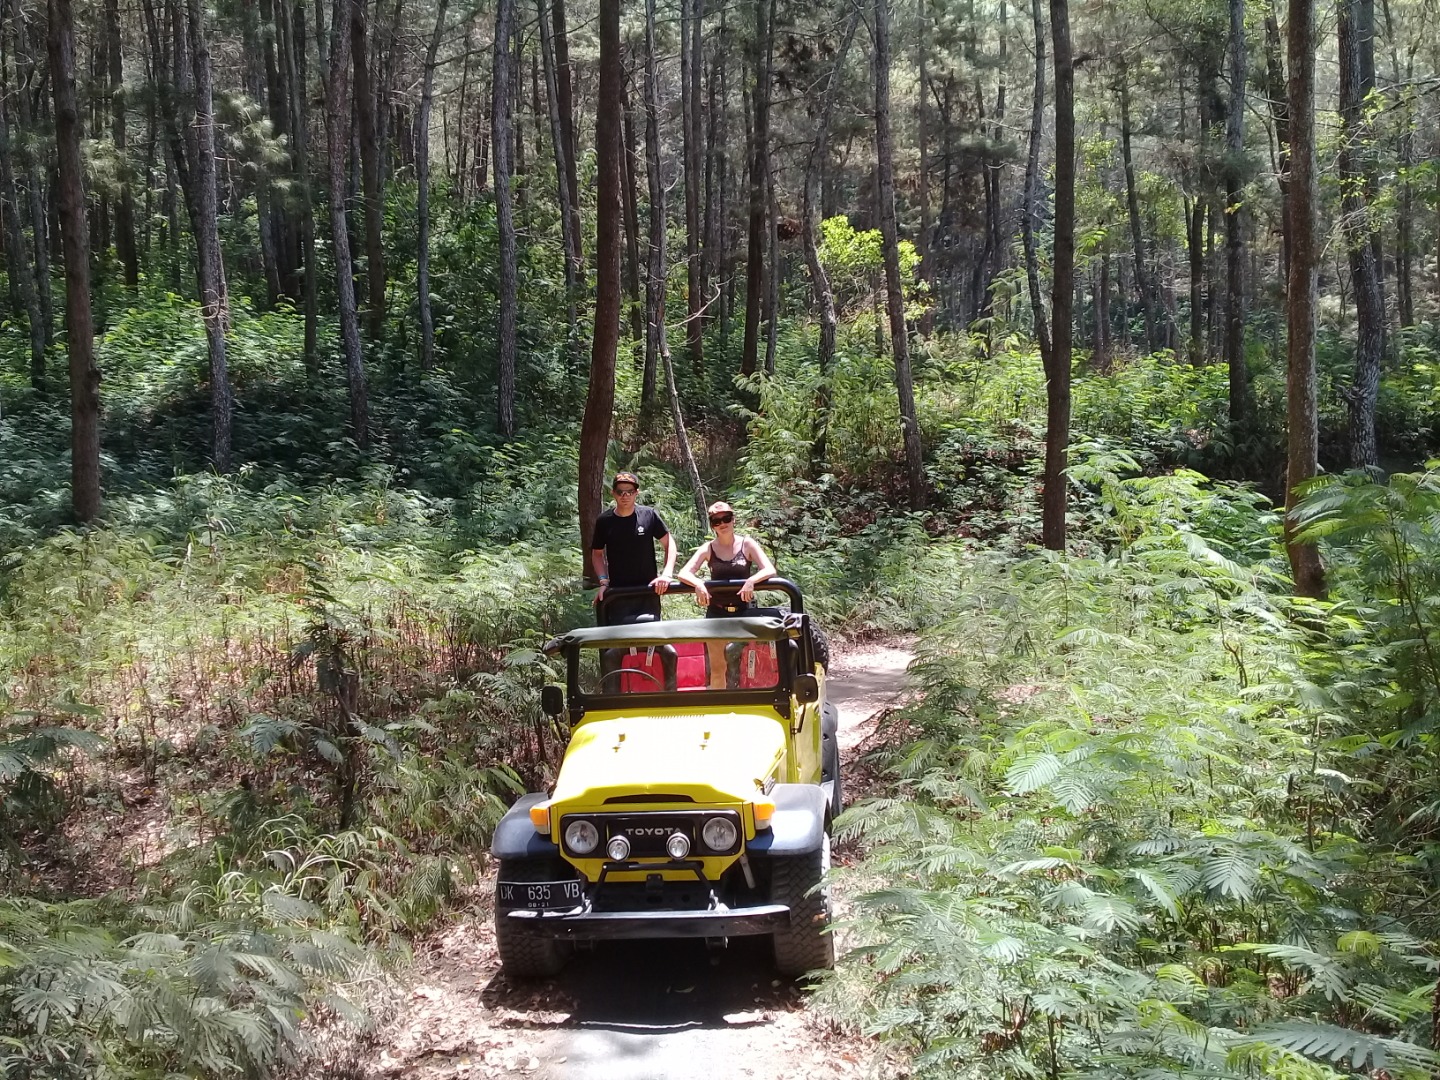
(629, 544)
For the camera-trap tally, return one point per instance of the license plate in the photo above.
(539, 895)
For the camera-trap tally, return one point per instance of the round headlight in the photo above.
(719, 834)
(678, 845)
(581, 837)
(618, 849)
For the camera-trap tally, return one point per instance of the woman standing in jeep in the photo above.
(730, 558)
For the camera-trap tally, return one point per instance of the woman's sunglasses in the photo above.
(721, 519)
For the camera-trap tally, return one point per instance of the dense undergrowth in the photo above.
(1153, 818)
(255, 729)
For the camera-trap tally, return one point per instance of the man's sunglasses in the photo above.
(721, 519)
(626, 491)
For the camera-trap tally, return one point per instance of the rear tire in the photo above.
(820, 646)
(806, 944)
(526, 955)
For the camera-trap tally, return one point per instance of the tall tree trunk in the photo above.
(1030, 212)
(1195, 248)
(1102, 314)
(337, 124)
(1301, 294)
(890, 241)
(922, 185)
(1280, 116)
(600, 400)
(125, 205)
(501, 138)
(292, 27)
(564, 84)
(628, 153)
(17, 251)
(30, 89)
(1132, 202)
(809, 225)
(763, 47)
(422, 200)
(656, 270)
(74, 235)
(368, 136)
(1356, 182)
(210, 267)
(692, 61)
(1057, 374)
(558, 139)
(1234, 225)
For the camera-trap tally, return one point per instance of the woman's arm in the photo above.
(765, 569)
(689, 573)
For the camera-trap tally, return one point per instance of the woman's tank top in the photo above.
(735, 568)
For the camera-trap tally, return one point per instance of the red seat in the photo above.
(690, 665)
(759, 670)
(648, 661)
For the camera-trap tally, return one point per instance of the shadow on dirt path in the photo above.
(638, 1010)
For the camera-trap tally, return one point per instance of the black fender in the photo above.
(516, 836)
(798, 826)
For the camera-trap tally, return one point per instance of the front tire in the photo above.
(798, 881)
(525, 955)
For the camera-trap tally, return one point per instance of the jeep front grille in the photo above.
(647, 832)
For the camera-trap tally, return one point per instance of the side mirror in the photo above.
(806, 688)
(552, 699)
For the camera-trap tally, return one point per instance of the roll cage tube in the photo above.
(718, 589)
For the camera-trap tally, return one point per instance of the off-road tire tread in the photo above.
(523, 955)
(831, 768)
(807, 944)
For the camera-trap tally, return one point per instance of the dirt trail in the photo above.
(662, 1010)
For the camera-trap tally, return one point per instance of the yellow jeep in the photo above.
(679, 810)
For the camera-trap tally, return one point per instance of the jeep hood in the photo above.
(711, 757)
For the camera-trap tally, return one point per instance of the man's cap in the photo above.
(623, 477)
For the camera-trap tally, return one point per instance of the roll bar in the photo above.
(718, 589)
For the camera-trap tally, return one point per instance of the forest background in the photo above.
(1048, 335)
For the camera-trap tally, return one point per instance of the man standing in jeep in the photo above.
(622, 552)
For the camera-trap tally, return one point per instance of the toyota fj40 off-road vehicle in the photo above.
(679, 810)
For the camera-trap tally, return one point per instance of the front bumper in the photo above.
(585, 925)
(611, 922)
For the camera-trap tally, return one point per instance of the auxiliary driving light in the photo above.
(618, 849)
(582, 837)
(719, 834)
(678, 845)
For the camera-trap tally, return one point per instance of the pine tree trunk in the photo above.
(890, 242)
(810, 225)
(628, 153)
(125, 205)
(1280, 116)
(691, 63)
(1234, 224)
(1030, 212)
(1195, 248)
(337, 124)
(1301, 294)
(210, 266)
(74, 234)
(38, 218)
(1132, 202)
(422, 202)
(564, 84)
(562, 187)
(656, 274)
(763, 47)
(501, 139)
(368, 137)
(17, 251)
(600, 400)
(1355, 184)
(1057, 373)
